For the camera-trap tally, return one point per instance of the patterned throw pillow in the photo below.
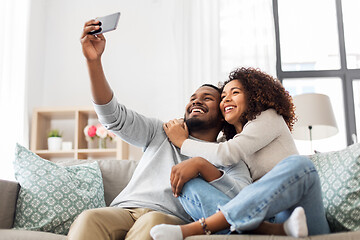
(339, 173)
(52, 196)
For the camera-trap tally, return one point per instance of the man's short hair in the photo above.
(212, 86)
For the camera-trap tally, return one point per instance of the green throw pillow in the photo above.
(339, 173)
(52, 196)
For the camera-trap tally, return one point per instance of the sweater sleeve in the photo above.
(233, 180)
(256, 134)
(132, 127)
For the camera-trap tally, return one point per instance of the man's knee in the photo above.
(85, 222)
(155, 218)
(141, 228)
(89, 216)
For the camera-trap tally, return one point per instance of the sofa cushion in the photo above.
(10, 234)
(339, 173)
(116, 174)
(52, 196)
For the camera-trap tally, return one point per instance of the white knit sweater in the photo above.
(263, 143)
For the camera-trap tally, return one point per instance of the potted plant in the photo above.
(54, 140)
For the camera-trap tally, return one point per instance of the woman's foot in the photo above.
(166, 232)
(296, 225)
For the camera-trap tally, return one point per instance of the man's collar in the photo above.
(194, 138)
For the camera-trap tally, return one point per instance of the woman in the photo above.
(259, 115)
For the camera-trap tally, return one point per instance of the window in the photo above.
(308, 42)
(312, 58)
(352, 32)
(356, 93)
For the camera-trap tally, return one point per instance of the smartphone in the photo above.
(107, 23)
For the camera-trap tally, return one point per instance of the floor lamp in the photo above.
(316, 118)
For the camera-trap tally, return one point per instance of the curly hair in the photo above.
(262, 92)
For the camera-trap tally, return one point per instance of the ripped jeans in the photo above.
(291, 183)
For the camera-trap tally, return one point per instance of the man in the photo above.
(148, 200)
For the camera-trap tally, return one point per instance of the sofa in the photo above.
(115, 176)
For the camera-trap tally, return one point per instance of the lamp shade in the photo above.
(313, 109)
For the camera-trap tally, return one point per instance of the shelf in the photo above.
(55, 154)
(74, 120)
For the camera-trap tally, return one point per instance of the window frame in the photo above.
(346, 75)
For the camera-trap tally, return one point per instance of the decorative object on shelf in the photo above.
(316, 118)
(102, 143)
(98, 131)
(66, 146)
(54, 140)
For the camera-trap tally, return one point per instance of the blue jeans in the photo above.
(291, 183)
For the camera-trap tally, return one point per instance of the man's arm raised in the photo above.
(93, 46)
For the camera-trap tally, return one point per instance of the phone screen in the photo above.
(107, 23)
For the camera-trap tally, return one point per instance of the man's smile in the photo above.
(197, 110)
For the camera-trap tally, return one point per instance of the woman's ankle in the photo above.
(191, 229)
(270, 228)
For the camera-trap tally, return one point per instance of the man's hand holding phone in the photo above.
(92, 39)
(106, 24)
(92, 45)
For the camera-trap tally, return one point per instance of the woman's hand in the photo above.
(189, 169)
(177, 131)
(92, 45)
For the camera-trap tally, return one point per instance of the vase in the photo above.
(92, 143)
(102, 143)
(54, 143)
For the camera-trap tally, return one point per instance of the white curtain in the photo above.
(13, 48)
(197, 34)
(216, 36)
(247, 35)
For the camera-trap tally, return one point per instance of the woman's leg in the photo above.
(294, 226)
(291, 183)
(200, 199)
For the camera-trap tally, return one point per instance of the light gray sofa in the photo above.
(116, 174)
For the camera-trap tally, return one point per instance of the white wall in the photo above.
(140, 61)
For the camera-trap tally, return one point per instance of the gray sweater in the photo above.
(149, 186)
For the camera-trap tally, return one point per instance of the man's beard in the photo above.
(197, 125)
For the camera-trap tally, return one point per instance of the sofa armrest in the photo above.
(9, 192)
